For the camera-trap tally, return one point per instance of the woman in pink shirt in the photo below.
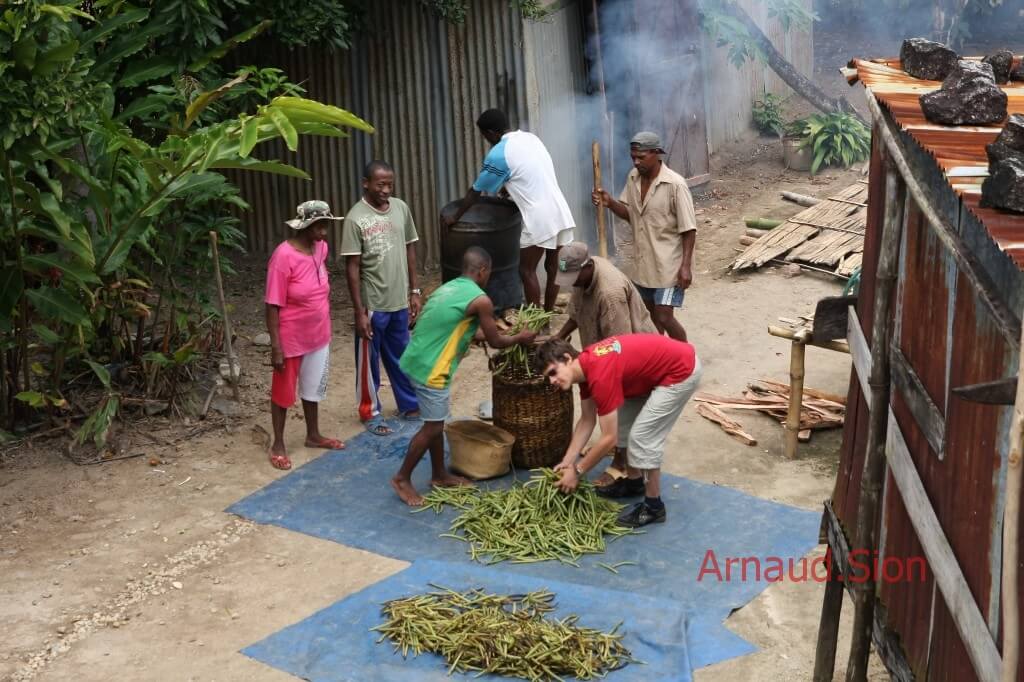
(299, 323)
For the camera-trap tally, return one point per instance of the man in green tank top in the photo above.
(445, 328)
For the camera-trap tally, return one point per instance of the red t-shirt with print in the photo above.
(631, 366)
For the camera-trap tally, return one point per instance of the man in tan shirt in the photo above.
(603, 303)
(657, 204)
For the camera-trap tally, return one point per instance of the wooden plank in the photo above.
(859, 351)
(925, 412)
(966, 615)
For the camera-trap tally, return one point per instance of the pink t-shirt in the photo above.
(297, 283)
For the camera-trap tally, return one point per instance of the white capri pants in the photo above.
(644, 423)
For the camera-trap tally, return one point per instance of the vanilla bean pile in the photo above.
(510, 635)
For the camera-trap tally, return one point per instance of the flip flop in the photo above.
(378, 427)
(280, 462)
(327, 444)
(410, 416)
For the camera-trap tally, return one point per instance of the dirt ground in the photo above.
(132, 570)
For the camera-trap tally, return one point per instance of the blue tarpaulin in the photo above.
(336, 644)
(345, 496)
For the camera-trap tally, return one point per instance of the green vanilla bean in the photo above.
(531, 521)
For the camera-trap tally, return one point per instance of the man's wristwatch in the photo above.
(415, 292)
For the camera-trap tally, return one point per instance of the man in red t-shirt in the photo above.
(635, 387)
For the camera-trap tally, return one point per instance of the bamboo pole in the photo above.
(783, 333)
(801, 199)
(874, 458)
(796, 391)
(1011, 521)
(227, 322)
(602, 235)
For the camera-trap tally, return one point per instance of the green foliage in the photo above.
(767, 113)
(837, 139)
(730, 32)
(46, 82)
(326, 22)
(107, 200)
(454, 11)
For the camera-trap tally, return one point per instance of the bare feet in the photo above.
(405, 491)
(450, 480)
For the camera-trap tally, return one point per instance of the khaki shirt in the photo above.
(658, 223)
(611, 305)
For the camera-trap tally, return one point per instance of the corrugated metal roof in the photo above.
(959, 150)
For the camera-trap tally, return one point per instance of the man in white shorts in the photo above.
(635, 386)
(520, 161)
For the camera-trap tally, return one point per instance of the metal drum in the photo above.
(493, 224)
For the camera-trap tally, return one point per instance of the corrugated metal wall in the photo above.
(730, 92)
(950, 339)
(421, 84)
(334, 164)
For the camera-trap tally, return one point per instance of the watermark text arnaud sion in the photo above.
(864, 565)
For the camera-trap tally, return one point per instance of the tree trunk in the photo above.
(786, 71)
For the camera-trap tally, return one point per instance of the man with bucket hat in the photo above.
(602, 303)
(657, 204)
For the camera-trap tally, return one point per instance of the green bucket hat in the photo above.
(308, 212)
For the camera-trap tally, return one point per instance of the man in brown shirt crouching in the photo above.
(603, 303)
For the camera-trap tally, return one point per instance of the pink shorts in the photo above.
(309, 371)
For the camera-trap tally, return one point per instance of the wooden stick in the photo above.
(827, 227)
(602, 237)
(874, 458)
(805, 266)
(801, 199)
(848, 201)
(1011, 521)
(224, 311)
(734, 429)
(828, 628)
(839, 400)
(796, 392)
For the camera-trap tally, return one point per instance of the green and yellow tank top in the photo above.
(442, 334)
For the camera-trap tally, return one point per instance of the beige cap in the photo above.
(571, 259)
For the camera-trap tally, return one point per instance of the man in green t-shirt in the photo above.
(377, 241)
(448, 324)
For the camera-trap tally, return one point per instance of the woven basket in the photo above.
(479, 450)
(536, 413)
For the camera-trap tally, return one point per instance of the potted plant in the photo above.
(820, 140)
(795, 155)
